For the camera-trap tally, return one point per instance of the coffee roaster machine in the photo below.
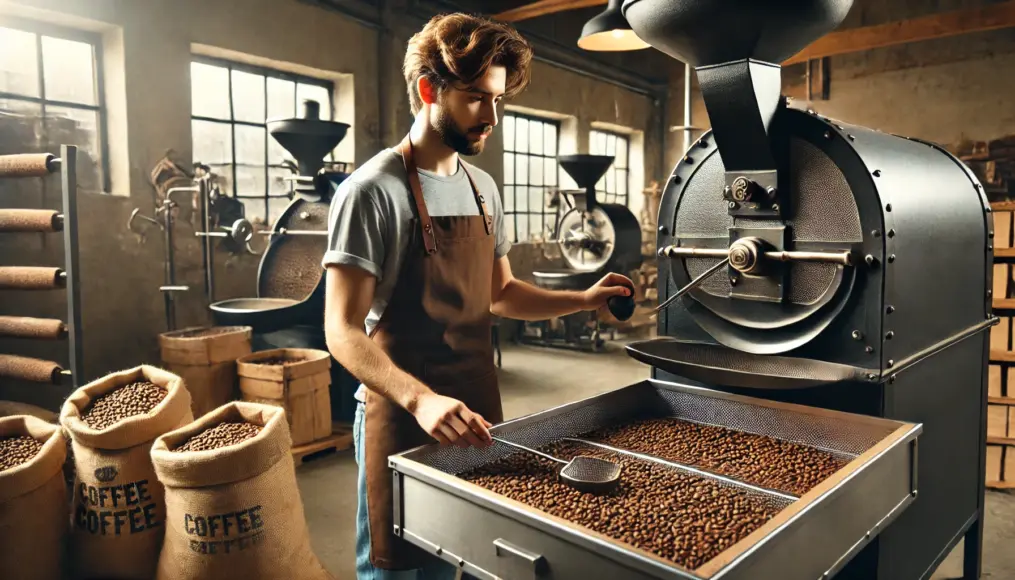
(840, 297)
(593, 239)
(288, 309)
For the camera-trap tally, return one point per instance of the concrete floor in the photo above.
(328, 484)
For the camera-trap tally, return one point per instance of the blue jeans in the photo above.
(436, 569)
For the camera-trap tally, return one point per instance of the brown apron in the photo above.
(437, 328)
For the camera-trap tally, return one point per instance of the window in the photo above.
(230, 103)
(49, 96)
(530, 170)
(612, 188)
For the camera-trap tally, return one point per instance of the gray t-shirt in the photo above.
(369, 220)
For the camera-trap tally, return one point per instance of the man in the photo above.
(417, 262)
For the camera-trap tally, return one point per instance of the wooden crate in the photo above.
(295, 379)
(205, 358)
(1001, 466)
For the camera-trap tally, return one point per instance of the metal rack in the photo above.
(66, 278)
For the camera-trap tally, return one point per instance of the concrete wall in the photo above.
(147, 49)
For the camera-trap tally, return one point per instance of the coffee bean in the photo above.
(653, 508)
(279, 361)
(17, 450)
(756, 459)
(221, 435)
(137, 398)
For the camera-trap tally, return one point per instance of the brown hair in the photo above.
(459, 47)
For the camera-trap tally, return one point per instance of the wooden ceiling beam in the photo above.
(941, 25)
(544, 7)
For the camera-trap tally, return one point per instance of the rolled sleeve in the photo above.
(357, 230)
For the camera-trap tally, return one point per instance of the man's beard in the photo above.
(456, 139)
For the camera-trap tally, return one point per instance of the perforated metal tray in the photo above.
(492, 536)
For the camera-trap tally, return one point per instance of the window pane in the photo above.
(611, 145)
(20, 127)
(250, 145)
(621, 161)
(594, 143)
(521, 170)
(611, 180)
(212, 142)
(521, 198)
(79, 127)
(550, 140)
(523, 228)
(535, 170)
(69, 67)
(550, 172)
(281, 99)
(209, 91)
(536, 199)
(277, 184)
(509, 198)
(622, 182)
(19, 68)
(277, 153)
(248, 97)
(522, 135)
(566, 182)
(223, 177)
(254, 211)
(509, 133)
(536, 137)
(250, 181)
(509, 226)
(509, 168)
(313, 93)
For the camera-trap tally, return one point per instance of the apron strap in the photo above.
(429, 239)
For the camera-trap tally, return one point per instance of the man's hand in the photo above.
(608, 286)
(450, 422)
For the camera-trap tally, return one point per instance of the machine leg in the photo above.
(972, 557)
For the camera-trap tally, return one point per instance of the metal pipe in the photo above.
(209, 263)
(844, 258)
(69, 184)
(687, 107)
(288, 232)
(170, 270)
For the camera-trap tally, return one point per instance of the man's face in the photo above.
(464, 116)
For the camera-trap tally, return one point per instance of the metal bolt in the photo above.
(990, 235)
(889, 335)
(733, 205)
(703, 143)
(727, 191)
(771, 191)
(397, 529)
(775, 207)
(872, 377)
(305, 215)
(851, 138)
(888, 207)
(688, 159)
(876, 233)
(733, 280)
(915, 493)
(828, 134)
(891, 233)
(891, 379)
(990, 246)
(989, 293)
(891, 258)
(890, 309)
(461, 563)
(869, 349)
(877, 173)
(891, 363)
(988, 209)
(857, 335)
(440, 550)
(662, 229)
(677, 179)
(869, 259)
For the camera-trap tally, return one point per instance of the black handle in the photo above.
(622, 307)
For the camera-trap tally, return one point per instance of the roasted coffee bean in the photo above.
(221, 435)
(654, 507)
(137, 398)
(17, 450)
(756, 459)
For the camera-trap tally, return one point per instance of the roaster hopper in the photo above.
(850, 313)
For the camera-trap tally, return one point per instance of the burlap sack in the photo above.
(10, 408)
(118, 507)
(234, 512)
(33, 505)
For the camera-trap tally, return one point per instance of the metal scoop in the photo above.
(587, 474)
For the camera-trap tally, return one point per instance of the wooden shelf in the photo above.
(1001, 400)
(1001, 441)
(1001, 484)
(1002, 356)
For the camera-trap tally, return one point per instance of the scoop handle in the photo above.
(622, 307)
(524, 448)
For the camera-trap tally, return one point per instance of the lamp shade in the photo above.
(609, 31)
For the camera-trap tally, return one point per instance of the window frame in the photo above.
(266, 72)
(510, 182)
(603, 193)
(40, 29)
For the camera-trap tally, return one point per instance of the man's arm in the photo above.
(349, 293)
(513, 298)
